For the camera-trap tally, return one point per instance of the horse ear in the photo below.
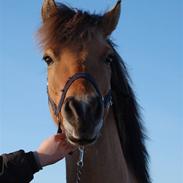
(110, 19)
(49, 7)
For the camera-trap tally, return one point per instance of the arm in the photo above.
(20, 166)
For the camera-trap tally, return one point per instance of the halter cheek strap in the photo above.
(105, 100)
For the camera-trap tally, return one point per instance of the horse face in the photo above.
(82, 111)
(73, 47)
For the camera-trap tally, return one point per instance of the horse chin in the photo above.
(81, 142)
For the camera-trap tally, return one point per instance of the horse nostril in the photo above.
(70, 109)
(96, 105)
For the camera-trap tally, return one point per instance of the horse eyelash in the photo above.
(48, 59)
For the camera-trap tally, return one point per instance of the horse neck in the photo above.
(104, 161)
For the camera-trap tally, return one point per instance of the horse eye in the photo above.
(109, 60)
(48, 60)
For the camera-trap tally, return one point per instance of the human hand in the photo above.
(54, 149)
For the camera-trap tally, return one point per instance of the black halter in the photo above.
(105, 100)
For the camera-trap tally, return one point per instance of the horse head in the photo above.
(77, 42)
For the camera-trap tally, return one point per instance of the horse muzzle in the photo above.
(83, 119)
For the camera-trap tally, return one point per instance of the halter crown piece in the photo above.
(106, 101)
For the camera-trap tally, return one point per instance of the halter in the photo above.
(106, 101)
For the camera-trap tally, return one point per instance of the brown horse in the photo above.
(84, 72)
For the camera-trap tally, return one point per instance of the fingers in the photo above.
(66, 148)
(64, 145)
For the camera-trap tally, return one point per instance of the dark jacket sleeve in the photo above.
(18, 167)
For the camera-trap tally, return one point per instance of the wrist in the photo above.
(38, 159)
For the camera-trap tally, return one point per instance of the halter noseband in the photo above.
(105, 100)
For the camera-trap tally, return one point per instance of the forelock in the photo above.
(68, 26)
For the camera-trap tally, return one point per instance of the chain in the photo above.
(80, 164)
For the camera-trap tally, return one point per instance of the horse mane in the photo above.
(67, 26)
(129, 123)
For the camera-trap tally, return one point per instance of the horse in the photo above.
(90, 96)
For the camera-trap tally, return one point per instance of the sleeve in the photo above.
(18, 167)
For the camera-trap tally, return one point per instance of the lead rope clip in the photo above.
(81, 157)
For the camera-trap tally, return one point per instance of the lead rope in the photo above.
(80, 164)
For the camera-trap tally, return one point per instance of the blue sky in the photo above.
(150, 40)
